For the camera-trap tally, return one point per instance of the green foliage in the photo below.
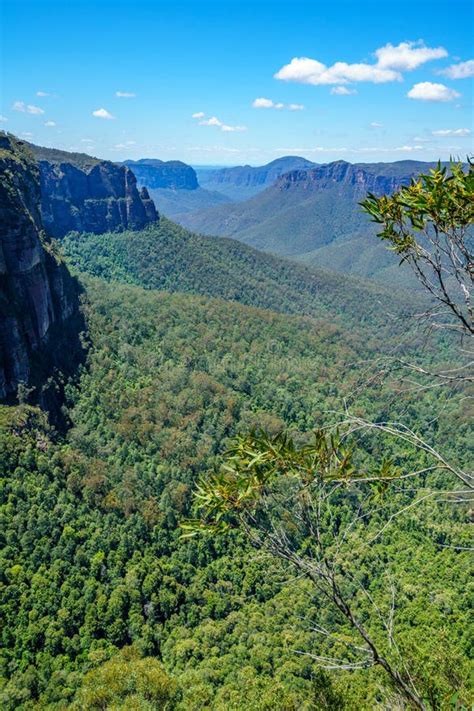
(167, 257)
(429, 225)
(124, 682)
(440, 199)
(92, 560)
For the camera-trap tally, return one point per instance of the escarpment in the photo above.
(40, 319)
(84, 194)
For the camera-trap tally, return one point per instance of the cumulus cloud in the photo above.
(103, 114)
(3, 119)
(463, 70)
(376, 124)
(87, 140)
(262, 103)
(231, 129)
(460, 132)
(429, 91)
(50, 123)
(198, 115)
(27, 108)
(343, 91)
(42, 93)
(309, 71)
(214, 121)
(391, 61)
(407, 55)
(125, 94)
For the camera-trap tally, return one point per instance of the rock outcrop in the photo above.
(40, 320)
(361, 178)
(83, 194)
(172, 174)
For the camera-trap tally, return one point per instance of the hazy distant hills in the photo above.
(155, 173)
(178, 189)
(245, 181)
(290, 207)
(314, 214)
(173, 186)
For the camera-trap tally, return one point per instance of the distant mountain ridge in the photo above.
(244, 181)
(308, 211)
(154, 173)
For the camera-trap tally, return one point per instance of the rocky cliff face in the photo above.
(89, 195)
(172, 174)
(40, 321)
(360, 178)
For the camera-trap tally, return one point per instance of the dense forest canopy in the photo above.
(92, 556)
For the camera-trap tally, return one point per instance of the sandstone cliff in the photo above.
(84, 194)
(40, 321)
(171, 174)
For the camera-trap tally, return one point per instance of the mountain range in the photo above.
(313, 214)
(242, 182)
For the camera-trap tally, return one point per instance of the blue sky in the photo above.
(262, 78)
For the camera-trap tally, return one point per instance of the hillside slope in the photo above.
(95, 562)
(168, 257)
(308, 210)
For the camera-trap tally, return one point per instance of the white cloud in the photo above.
(375, 124)
(42, 93)
(26, 108)
(103, 114)
(125, 94)
(460, 132)
(310, 71)
(342, 91)
(428, 91)
(408, 149)
(231, 129)
(87, 140)
(463, 70)
(391, 61)
(3, 119)
(354, 151)
(214, 121)
(27, 134)
(198, 115)
(407, 55)
(262, 103)
(50, 123)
